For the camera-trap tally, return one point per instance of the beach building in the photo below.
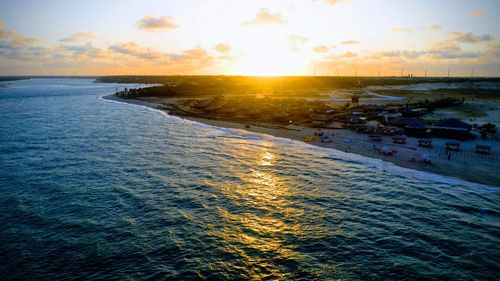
(452, 128)
(412, 126)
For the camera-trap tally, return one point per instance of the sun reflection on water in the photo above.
(259, 219)
(266, 159)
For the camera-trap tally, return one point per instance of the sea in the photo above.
(98, 189)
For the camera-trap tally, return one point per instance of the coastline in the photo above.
(468, 167)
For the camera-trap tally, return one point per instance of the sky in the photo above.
(272, 37)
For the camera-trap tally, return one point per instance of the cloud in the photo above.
(132, 49)
(223, 48)
(493, 48)
(86, 50)
(225, 51)
(401, 29)
(264, 17)
(11, 39)
(433, 53)
(464, 55)
(17, 52)
(196, 57)
(349, 55)
(434, 27)
(469, 37)
(450, 48)
(321, 49)
(80, 37)
(476, 13)
(298, 39)
(405, 54)
(28, 54)
(446, 46)
(350, 42)
(391, 54)
(156, 23)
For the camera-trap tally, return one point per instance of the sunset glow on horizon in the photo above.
(296, 37)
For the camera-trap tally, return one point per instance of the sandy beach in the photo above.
(465, 164)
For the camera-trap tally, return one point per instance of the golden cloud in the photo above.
(264, 17)
(156, 23)
(80, 37)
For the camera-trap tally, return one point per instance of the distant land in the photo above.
(437, 125)
(14, 78)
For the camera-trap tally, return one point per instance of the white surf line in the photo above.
(361, 159)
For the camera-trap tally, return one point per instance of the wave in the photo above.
(357, 158)
(351, 157)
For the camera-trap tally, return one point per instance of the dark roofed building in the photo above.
(409, 122)
(452, 128)
(412, 126)
(454, 124)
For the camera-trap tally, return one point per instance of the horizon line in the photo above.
(239, 75)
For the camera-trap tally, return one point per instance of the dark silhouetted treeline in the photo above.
(220, 85)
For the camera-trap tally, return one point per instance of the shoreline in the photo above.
(468, 167)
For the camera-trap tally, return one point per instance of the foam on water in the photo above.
(94, 189)
(370, 162)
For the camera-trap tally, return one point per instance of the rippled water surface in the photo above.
(92, 189)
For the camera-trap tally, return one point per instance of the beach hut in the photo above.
(427, 143)
(453, 146)
(483, 149)
(412, 126)
(452, 128)
(399, 140)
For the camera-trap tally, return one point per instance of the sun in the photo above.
(263, 53)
